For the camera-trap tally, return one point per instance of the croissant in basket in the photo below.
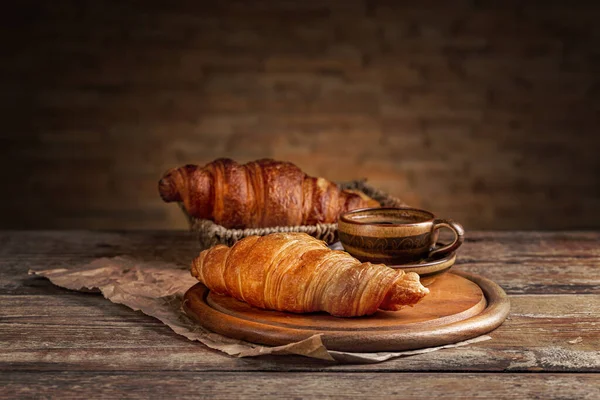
(259, 194)
(297, 273)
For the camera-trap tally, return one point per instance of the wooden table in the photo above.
(55, 342)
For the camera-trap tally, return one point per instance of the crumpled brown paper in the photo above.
(157, 289)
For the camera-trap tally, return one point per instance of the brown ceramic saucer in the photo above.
(428, 269)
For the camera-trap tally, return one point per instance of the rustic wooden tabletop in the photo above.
(59, 343)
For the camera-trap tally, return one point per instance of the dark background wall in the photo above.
(483, 112)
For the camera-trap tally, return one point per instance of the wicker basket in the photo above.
(210, 234)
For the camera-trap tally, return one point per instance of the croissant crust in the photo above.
(258, 194)
(297, 273)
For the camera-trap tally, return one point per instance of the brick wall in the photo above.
(482, 112)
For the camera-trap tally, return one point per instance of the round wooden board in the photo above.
(460, 306)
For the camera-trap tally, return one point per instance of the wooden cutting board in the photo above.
(460, 306)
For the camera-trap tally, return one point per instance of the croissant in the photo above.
(297, 273)
(258, 194)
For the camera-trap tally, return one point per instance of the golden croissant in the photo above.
(297, 273)
(258, 194)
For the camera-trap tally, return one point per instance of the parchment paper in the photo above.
(157, 289)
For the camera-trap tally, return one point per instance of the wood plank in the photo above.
(23, 250)
(535, 262)
(510, 243)
(481, 246)
(55, 248)
(520, 262)
(540, 276)
(86, 332)
(217, 385)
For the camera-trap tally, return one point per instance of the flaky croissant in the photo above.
(298, 273)
(258, 194)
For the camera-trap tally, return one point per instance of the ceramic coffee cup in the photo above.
(395, 236)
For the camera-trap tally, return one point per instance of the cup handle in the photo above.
(459, 236)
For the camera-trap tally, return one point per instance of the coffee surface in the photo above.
(390, 220)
